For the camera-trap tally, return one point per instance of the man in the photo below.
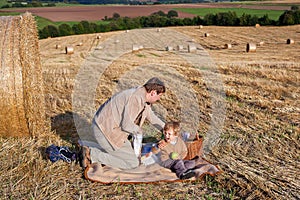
(119, 118)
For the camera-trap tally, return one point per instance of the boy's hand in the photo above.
(162, 144)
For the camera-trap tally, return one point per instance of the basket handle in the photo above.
(197, 136)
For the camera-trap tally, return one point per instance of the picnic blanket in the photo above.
(144, 174)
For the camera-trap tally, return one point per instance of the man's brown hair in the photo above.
(155, 84)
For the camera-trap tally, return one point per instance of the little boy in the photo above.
(173, 150)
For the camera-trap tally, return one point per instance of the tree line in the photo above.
(161, 19)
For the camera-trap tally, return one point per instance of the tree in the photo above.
(65, 29)
(116, 16)
(226, 19)
(286, 18)
(294, 7)
(209, 19)
(44, 33)
(187, 21)
(53, 31)
(172, 13)
(245, 19)
(159, 13)
(254, 20)
(86, 27)
(264, 20)
(296, 15)
(78, 29)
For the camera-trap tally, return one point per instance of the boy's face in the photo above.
(170, 136)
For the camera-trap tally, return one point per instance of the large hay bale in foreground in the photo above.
(22, 103)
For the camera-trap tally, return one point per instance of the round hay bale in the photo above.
(169, 48)
(228, 46)
(200, 27)
(57, 46)
(251, 47)
(206, 34)
(191, 48)
(257, 25)
(158, 30)
(80, 44)
(22, 101)
(179, 47)
(69, 50)
(98, 37)
(126, 31)
(135, 47)
(261, 43)
(290, 41)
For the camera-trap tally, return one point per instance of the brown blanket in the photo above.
(144, 174)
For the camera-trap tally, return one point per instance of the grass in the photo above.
(2, 3)
(42, 22)
(273, 14)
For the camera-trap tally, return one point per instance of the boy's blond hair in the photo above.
(172, 125)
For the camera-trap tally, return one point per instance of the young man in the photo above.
(121, 117)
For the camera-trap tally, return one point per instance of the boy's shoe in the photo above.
(187, 174)
(85, 157)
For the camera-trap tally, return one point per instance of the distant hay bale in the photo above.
(69, 50)
(98, 37)
(22, 101)
(169, 48)
(290, 41)
(179, 47)
(57, 46)
(126, 31)
(206, 34)
(191, 48)
(158, 30)
(251, 47)
(200, 27)
(117, 41)
(135, 47)
(257, 25)
(227, 46)
(80, 44)
(261, 43)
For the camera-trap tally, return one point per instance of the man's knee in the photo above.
(132, 164)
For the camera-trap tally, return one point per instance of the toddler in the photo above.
(174, 150)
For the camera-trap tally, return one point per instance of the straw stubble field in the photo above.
(258, 149)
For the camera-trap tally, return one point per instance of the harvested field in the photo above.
(258, 146)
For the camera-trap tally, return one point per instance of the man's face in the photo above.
(153, 97)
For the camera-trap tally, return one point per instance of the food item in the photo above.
(174, 156)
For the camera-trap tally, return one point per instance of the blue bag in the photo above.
(56, 153)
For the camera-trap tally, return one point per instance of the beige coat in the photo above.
(116, 117)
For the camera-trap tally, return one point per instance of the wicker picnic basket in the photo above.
(194, 147)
